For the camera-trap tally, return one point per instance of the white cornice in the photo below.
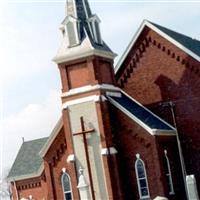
(164, 132)
(108, 151)
(94, 98)
(78, 55)
(114, 94)
(71, 158)
(157, 30)
(89, 88)
(113, 150)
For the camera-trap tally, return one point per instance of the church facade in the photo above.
(129, 132)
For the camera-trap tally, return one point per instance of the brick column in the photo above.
(161, 190)
(50, 194)
(64, 78)
(109, 161)
(70, 150)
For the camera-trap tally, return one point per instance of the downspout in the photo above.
(183, 169)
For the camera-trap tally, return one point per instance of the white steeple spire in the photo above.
(81, 32)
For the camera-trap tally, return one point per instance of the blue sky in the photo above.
(29, 38)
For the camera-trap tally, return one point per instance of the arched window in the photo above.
(168, 174)
(141, 178)
(66, 185)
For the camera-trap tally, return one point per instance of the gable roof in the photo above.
(28, 162)
(190, 43)
(141, 115)
(185, 43)
(51, 138)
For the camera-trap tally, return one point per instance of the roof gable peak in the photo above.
(183, 42)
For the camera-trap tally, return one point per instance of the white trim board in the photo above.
(94, 98)
(51, 138)
(157, 30)
(90, 52)
(90, 88)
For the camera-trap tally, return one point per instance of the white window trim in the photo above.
(138, 183)
(64, 173)
(171, 192)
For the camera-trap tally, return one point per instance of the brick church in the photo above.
(126, 132)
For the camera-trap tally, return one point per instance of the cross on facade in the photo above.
(84, 132)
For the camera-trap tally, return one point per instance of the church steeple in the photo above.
(87, 75)
(81, 33)
(79, 13)
(78, 9)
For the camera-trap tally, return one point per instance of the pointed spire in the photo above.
(81, 31)
(78, 9)
(78, 12)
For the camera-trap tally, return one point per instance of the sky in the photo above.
(29, 38)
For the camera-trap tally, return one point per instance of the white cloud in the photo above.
(34, 121)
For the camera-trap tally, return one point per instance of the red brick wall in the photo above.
(130, 139)
(170, 144)
(35, 187)
(162, 72)
(88, 71)
(78, 75)
(57, 159)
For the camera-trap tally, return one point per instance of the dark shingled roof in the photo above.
(28, 160)
(191, 44)
(140, 112)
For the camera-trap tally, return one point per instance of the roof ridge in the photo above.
(35, 139)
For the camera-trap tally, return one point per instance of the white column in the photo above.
(83, 186)
(192, 187)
